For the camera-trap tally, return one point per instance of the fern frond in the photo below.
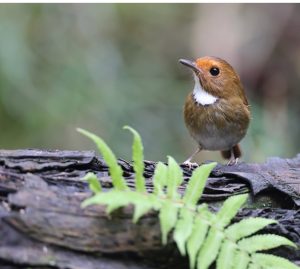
(226, 255)
(160, 178)
(247, 227)
(143, 206)
(116, 199)
(241, 259)
(209, 251)
(264, 242)
(138, 160)
(254, 266)
(109, 157)
(174, 179)
(168, 218)
(230, 208)
(183, 228)
(93, 181)
(272, 262)
(196, 183)
(202, 222)
(112, 199)
(204, 235)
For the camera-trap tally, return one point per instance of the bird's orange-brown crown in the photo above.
(217, 77)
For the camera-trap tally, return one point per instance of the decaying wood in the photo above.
(42, 223)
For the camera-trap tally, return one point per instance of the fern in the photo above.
(205, 236)
(138, 160)
(94, 184)
(115, 170)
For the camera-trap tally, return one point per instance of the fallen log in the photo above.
(42, 223)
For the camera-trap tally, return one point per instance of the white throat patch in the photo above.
(201, 96)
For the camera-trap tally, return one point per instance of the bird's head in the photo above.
(215, 76)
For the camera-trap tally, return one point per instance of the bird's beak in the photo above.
(191, 65)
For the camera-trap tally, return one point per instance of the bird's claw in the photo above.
(233, 161)
(190, 164)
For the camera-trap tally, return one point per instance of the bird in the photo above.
(216, 112)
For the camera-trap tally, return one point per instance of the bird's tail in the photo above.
(236, 151)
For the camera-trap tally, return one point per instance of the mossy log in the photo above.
(42, 224)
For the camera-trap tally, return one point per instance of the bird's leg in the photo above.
(188, 161)
(233, 161)
(233, 158)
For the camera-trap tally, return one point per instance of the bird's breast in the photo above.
(218, 126)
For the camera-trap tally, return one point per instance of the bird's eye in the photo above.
(214, 71)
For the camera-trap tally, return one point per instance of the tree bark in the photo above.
(42, 223)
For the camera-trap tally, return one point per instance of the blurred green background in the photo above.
(101, 66)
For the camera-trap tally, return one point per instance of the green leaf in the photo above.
(226, 255)
(155, 201)
(230, 208)
(196, 183)
(198, 235)
(175, 178)
(138, 160)
(168, 216)
(269, 261)
(141, 202)
(210, 249)
(241, 260)
(116, 203)
(247, 227)
(264, 242)
(183, 228)
(113, 199)
(141, 208)
(160, 178)
(115, 170)
(93, 181)
(254, 266)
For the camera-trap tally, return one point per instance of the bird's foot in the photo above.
(233, 161)
(190, 164)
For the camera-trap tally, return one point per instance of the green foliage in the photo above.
(199, 232)
(174, 178)
(196, 185)
(263, 242)
(168, 217)
(205, 236)
(272, 262)
(109, 157)
(247, 227)
(160, 178)
(138, 160)
(184, 228)
(93, 181)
